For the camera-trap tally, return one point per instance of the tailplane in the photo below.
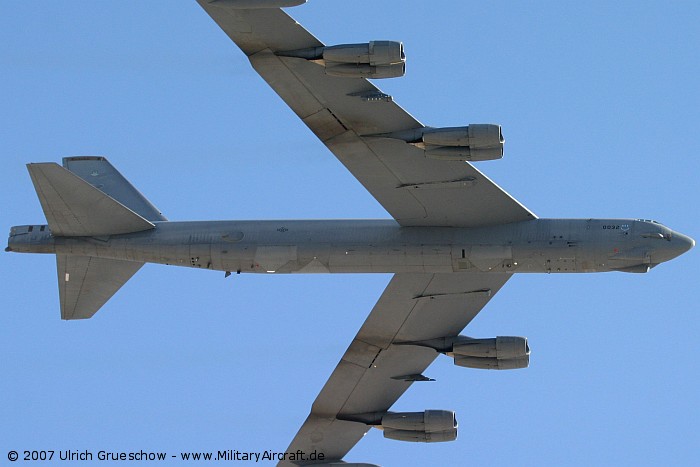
(85, 283)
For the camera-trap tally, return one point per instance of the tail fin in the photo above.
(74, 208)
(89, 197)
(98, 172)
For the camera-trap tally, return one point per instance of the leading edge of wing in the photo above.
(378, 367)
(415, 190)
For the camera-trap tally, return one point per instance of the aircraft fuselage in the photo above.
(383, 246)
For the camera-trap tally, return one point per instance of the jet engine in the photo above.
(480, 142)
(431, 426)
(500, 353)
(476, 142)
(376, 59)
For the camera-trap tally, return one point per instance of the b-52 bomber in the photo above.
(455, 238)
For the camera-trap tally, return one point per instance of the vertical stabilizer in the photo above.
(73, 207)
(98, 172)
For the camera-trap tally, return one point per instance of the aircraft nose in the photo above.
(683, 243)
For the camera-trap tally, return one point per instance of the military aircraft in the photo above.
(455, 239)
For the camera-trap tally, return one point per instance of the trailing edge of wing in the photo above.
(73, 207)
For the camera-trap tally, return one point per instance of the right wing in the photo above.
(377, 369)
(415, 190)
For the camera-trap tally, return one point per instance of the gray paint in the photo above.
(455, 240)
(381, 246)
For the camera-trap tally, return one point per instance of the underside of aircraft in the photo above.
(455, 237)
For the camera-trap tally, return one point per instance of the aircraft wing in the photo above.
(343, 112)
(347, 115)
(377, 369)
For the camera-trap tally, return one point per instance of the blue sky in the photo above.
(599, 105)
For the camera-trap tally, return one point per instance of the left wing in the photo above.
(376, 369)
(352, 118)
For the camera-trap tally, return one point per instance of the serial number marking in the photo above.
(617, 227)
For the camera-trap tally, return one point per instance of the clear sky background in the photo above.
(599, 105)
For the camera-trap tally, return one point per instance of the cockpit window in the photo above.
(650, 220)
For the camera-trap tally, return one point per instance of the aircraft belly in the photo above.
(390, 258)
(342, 247)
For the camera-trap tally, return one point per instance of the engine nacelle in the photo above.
(376, 59)
(479, 142)
(375, 53)
(421, 436)
(489, 363)
(428, 421)
(363, 70)
(255, 4)
(499, 353)
(452, 153)
(431, 426)
(475, 136)
(476, 142)
(501, 347)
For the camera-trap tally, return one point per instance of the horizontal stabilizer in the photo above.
(85, 283)
(73, 207)
(98, 172)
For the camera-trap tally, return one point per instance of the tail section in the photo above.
(88, 197)
(74, 208)
(98, 172)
